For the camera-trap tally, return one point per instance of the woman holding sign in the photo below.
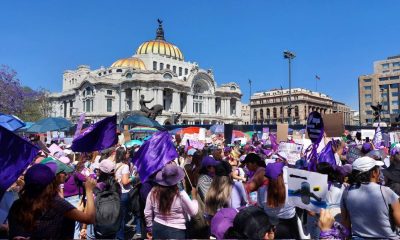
(273, 198)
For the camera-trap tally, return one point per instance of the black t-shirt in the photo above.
(51, 225)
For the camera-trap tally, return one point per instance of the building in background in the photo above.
(245, 118)
(272, 107)
(382, 86)
(355, 118)
(158, 71)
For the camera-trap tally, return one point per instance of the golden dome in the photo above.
(131, 62)
(160, 47)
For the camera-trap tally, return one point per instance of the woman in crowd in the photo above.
(167, 207)
(40, 213)
(273, 199)
(256, 167)
(392, 173)
(122, 175)
(366, 205)
(74, 190)
(207, 173)
(224, 192)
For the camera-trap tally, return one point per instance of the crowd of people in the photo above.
(219, 191)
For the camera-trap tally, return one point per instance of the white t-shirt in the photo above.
(122, 169)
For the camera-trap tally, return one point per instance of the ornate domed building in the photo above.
(158, 71)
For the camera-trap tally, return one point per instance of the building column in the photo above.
(123, 101)
(212, 106)
(176, 101)
(239, 108)
(189, 104)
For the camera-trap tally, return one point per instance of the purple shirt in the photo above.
(70, 187)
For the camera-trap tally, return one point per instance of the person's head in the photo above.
(333, 175)
(122, 155)
(395, 155)
(366, 148)
(208, 165)
(276, 196)
(222, 221)
(365, 170)
(217, 154)
(358, 136)
(253, 161)
(251, 223)
(219, 193)
(37, 195)
(167, 180)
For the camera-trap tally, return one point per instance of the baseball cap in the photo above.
(57, 166)
(221, 221)
(107, 166)
(38, 177)
(364, 164)
(273, 170)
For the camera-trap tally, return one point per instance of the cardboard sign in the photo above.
(307, 190)
(292, 151)
(353, 153)
(282, 132)
(315, 127)
(334, 124)
(127, 136)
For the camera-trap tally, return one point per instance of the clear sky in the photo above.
(239, 40)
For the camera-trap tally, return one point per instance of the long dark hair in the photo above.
(326, 168)
(32, 206)
(356, 177)
(276, 196)
(121, 156)
(164, 196)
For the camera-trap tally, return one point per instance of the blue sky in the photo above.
(239, 40)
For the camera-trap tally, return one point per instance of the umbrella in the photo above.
(143, 130)
(189, 130)
(140, 120)
(11, 122)
(132, 143)
(217, 128)
(50, 124)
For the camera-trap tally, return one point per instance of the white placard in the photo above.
(307, 190)
(292, 151)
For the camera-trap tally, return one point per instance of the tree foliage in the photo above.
(28, 104)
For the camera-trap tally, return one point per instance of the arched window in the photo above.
(161, 66)
(174, 69)
(255, 115)
(268, 113)
(154, 65)
(119, 70)
(168, 66)
(261, 114)
(274, 112)
(296, 111)
(129, 75)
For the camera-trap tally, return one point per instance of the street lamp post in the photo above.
(250, 100)
(282, 105)
(290, 55)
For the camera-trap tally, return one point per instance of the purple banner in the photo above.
(79, 125)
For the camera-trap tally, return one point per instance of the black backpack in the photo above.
(108, 212)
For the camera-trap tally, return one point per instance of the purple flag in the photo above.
(327, 154)
(154, 154)
(98, 136)
(274, 144)
(79, 125)
(16, 154)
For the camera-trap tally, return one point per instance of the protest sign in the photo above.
(292, 151)
(315, 127)
(353, 153)
(370, 133)
(307, 190)
(334, 124)
(282, 132)
(196, 144)
(265, 133)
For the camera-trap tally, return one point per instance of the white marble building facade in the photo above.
(158, 71)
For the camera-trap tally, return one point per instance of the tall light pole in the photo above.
(250, 100)
(282, 105)
(290, 55)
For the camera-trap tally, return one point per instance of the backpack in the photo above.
(108, 212)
